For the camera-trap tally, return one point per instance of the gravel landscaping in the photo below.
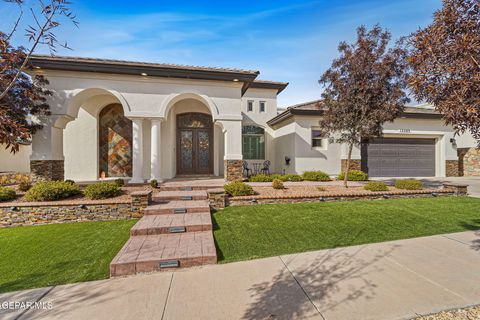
(471, 313)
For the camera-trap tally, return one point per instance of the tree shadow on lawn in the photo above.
(473, 225)
(327, 278)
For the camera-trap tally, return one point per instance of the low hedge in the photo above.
(409, 184)
(102, 190)
(51, 191)
(315, 176)
(292, 177)
(261, 178)
(354, 175)
(238, 188)
(7, 194)
(270, 178)
(376, 186)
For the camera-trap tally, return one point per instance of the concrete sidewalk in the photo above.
(391, 280)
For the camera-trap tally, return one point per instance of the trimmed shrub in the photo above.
(238, 188)
(277, 184)
(70, 181)
(7, 194)
(119, 182)
(24, 186)
(154, 183)
(276, 176)
(409, 184)
(291, 177)
(320, 188)
(102, 190)
(261, 178)
(315, 176)
(376, 186)
(51, 191)
(354, 175)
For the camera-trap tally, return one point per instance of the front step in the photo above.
(183, 188)
(178, 207)
(180, 195)
(164, 252)
(163, 224)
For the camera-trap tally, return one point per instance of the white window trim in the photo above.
(264, 107)
(324, 145)
(253, 105)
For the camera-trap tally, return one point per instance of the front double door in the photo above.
(194, 144)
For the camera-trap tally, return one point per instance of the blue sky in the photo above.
(290, 41)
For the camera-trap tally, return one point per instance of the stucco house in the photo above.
(145, 121)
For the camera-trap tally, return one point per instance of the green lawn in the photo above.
(249, 232)
(46, 255)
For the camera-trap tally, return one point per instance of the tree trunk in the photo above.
(347, 169)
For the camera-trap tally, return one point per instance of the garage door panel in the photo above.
(399, 157)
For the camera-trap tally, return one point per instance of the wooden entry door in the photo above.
(194, 143)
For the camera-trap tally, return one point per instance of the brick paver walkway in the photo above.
(176, 231)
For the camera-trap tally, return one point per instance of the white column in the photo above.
(155, 156)
(137, 151)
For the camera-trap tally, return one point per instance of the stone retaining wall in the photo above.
(249, 200)
(24, 213)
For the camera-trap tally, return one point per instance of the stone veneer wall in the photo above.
(245, 201)
(233, 170)
(19, 214)
(47, 170)
(355, 164)
(217, 198)
(451, 168)
(469, 161)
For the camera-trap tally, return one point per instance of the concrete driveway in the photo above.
(390, 280)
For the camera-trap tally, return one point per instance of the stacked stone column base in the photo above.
(44, 170)
(355, 164)
(233, 170)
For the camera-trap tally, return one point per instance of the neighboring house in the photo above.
(144, 121)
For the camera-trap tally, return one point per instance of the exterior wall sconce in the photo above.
(453, 141)
(287, 160)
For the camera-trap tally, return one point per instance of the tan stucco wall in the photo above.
(18, 162)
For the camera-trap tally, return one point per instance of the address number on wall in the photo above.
(404, 130)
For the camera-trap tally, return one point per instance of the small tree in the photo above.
(363, 89)
(445, 64)
(22, 96)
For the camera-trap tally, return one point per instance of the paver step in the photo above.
(184, 188)
(171, 223)
(180, 195)
(161, 252)
(178, 206)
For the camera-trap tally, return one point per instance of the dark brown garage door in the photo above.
(398, 157)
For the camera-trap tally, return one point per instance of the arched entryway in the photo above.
(115, 142)
(194, 136)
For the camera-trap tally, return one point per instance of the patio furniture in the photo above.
(266, 167)
(256, 167)
(246, 168)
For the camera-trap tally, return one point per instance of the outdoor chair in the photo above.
(266, 167)
(246, 168)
